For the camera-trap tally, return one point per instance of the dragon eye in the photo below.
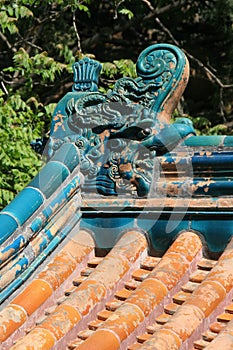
(143, 133)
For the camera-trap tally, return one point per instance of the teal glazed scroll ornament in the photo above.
(119, 134)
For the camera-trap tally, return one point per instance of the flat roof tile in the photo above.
(217, 326)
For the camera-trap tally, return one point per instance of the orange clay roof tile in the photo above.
(40, 338)
(165, 339)
(132, 284)
(180, 297)
(153, 328)
(60, 321)
(58, 270)
(84, 334)
(143, 337)
(198, 276)
(149, 294)
(94, 289)
(171, 308)
(74, 344)
(207, 296)
(123, 321)
(40, 290)
(135, 346)
(123, 294)
(149, 263)
(163, 318)
(11, 318)
(229, 308)
(93, 325)
(202, 302)
(104, 314)
(94, 261)
(140, 274)
(225, 317)
(113, 304)
(217, 327)
(189, 287)
(193, 302)
(224, 340)
(209, 336)
(86, 296)
(206, 264)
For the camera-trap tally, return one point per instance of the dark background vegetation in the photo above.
(40, 40)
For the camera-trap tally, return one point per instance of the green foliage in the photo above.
(21, 121)
(39, 66)
(111, 71)
(9, 15)
(126, 12)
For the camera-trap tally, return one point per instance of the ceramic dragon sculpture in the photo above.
(120, 133)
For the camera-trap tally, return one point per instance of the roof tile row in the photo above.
(205, 298)
(129, 309)
(97, 287)
(149, 294)
(40, 289)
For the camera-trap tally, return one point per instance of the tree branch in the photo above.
(161, 10)
(76, 32)
(211, 76)
(4, 38)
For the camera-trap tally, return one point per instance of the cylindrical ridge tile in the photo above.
(163, 340)
(86, 296)
(148, 295)
(51, 176)
(58, 269)
(61, 321)
(170, 269)
(207, 296)
(184, 322)
(24, 204)
(224, 341)
(68, 154)
(101, 339)
(80, 245)
(37, 292)
(188, 244)
(124, 320)
(177, 259)
(34, 295)
(11, 318)
(222, 272)
(119, 325)
(8, 225)
(131, 245)
(110, 270)
(37, 339)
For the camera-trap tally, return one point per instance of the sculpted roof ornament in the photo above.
(86, 75)
(120, 133)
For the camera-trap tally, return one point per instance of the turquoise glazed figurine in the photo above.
(120, 133)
